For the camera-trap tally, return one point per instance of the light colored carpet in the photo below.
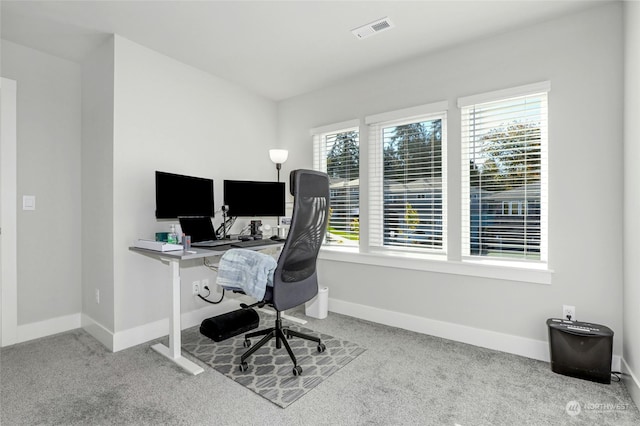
(403, 378)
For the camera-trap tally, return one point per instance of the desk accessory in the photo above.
(256, 228)
(186, 241)
(157, 245)
(224, 221)
(173, 235)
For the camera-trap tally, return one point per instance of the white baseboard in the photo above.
(98, 331)
(632, 381)
(35, 330)
(137, 335)
(460, 333)
(517, 345)
(530, 348)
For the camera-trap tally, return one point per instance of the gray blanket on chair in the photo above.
(247, 270)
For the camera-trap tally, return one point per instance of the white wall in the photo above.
(97, 188)
(631, 347)
(124, 113)
(8, 213)
(175, 118)
(49, 135)
(582, 57)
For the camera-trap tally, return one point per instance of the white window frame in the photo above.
(541, 88)
(451, 263)
(377, 123)
(320, 161)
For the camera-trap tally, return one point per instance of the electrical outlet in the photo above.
(98, 296)
(195, 289)
(205, 283)
(569, 312)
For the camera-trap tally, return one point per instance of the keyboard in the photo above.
(254, 243)
(211, 243)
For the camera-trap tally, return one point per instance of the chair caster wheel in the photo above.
(321, 347)
(246, 343)
(244, 366)
(297, 370)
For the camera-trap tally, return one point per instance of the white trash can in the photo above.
(319, 305)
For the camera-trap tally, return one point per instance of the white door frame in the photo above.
(8, 213)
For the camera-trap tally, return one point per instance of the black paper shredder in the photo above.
(580, 349)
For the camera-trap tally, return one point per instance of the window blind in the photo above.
(337, 152)
(407, 183)
(505, 176)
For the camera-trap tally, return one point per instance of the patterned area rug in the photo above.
(270, 369)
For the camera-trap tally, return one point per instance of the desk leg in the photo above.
(174, 351)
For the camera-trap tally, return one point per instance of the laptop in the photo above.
(201, 231)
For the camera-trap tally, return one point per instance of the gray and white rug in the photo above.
(270, 369)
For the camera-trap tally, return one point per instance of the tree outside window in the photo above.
(343, 167)
(412, 184)
(504, 146)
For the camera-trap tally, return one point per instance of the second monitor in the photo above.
(254, 199)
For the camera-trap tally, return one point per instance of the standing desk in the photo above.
(173, 259)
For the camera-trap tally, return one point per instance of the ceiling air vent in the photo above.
(373, 28)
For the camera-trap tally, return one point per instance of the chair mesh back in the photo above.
(295, 279)
(306, 239)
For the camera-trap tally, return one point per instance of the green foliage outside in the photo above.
(411, 217)
(413, 150)
(343, 159)
(509, 157)
(349, 235)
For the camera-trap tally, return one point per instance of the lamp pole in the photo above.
(278, 156)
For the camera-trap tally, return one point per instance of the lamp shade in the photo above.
(278, 156)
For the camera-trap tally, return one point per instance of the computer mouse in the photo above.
(276, 238)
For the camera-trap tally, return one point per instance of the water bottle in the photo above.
(173, 236)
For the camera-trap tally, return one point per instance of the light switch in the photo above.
(28, 202)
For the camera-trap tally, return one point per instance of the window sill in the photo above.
(537, 274)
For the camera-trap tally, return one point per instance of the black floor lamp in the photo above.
(278, 156)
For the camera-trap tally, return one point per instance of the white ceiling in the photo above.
(278, 49)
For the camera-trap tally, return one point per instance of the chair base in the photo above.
(281, 334)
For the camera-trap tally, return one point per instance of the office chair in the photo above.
(295, 279)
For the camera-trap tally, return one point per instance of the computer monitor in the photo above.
(179, 195)
(254, 199)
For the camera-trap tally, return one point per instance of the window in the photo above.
(503, 166)
(513, 208)
(336, 151)
(407, 171)
(504, 174)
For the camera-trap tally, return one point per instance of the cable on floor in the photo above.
(615, 376)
